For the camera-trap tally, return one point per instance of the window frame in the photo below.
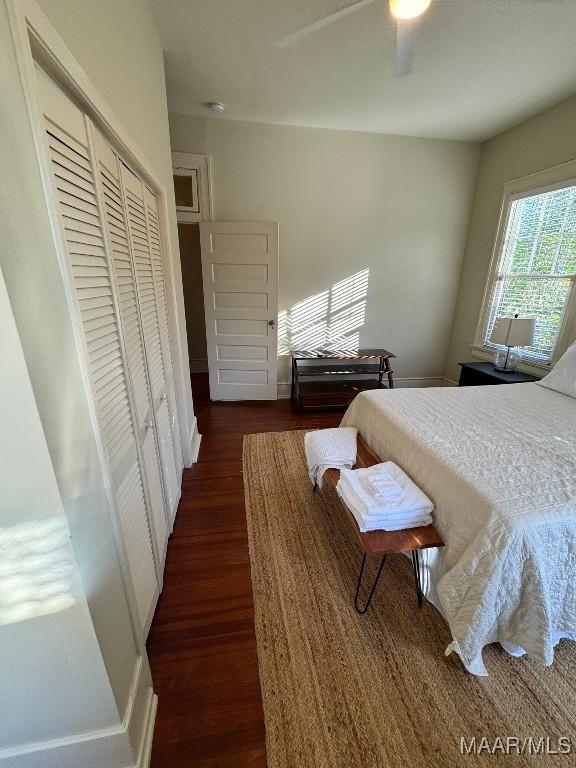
(548, 180)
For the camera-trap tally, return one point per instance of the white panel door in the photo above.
(240, 279)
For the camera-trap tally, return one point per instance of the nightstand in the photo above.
(480, 374)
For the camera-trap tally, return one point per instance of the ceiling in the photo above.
(481, 65)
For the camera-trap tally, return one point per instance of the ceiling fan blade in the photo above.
(336, 16)
(405, 46)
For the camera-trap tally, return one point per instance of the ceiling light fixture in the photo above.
(408, 9)
(216, 106)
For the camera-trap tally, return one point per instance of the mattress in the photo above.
(499, 463)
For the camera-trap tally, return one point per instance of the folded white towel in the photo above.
(366, 524)
(409, 509)
(382, 486)
(329, 448)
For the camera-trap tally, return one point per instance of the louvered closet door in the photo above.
(119, 246)
(160, 288)
(145, 280)
(92, 281)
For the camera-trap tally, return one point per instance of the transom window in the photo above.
(536, 269)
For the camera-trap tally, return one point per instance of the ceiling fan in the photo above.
(406, 15)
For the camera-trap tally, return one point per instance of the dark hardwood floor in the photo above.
(202, 646)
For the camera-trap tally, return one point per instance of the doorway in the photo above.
(191, 261)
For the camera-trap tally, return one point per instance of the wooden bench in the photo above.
(383, 543)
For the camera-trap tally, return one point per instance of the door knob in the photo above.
(271, 323)
(163, 396)
(149, 425)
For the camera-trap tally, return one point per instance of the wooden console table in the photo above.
(331, 392)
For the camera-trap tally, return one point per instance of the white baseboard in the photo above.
(284, 390)
(423, 381)
(146, 744)
(110, 747)
(194, 440)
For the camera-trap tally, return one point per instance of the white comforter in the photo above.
(499, 463)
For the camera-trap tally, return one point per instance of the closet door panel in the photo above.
(155, 485)
(153, 222)
(130, 497)
(76, 194)
(122, 266)
(151, 326)
(119, 240)
(167, 452)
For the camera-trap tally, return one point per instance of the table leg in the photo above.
(416, 566)
(389, 374)
(374, 585)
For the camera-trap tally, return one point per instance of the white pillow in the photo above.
(562, 377)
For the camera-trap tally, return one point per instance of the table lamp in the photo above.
(511, 331)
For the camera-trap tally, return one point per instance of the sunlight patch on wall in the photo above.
(35, 570)
(331, 319)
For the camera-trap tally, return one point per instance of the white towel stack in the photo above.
(329, 448)
(383, 497)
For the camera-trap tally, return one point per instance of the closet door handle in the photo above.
(163, 396)
(149, 425)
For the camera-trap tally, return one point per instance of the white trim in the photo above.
(202, 165)
(543, 189)
(111, 747)
(148, 733)
(195, 440)
(284, 390)
(548, 179)
(422, 381)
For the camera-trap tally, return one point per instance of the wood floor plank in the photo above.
(202, 645)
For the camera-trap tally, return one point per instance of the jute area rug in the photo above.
(345, 690)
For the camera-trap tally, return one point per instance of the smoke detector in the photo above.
(216, 106)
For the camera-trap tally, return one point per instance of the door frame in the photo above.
(202, 164)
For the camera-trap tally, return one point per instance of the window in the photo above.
(536, 265)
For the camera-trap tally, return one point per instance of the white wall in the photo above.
(541, 142)
(129, 74)
(50, 656)
(349, 202)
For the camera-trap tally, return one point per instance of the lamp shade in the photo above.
(513, 331)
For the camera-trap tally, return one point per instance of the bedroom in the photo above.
(175, 593)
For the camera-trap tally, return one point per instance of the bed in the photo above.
(499, 463)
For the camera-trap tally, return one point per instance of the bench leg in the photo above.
(416, 566)
(374, 585)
